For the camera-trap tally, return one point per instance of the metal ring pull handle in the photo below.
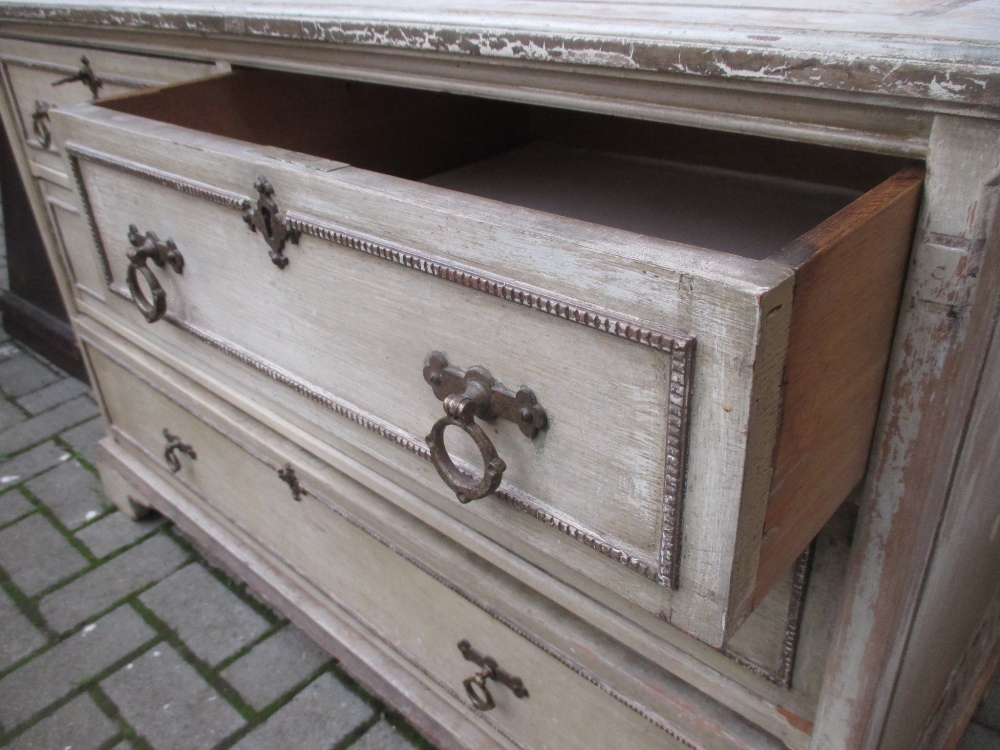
(85, 75)
(145, 248)
(176, 445)
(482, 700)
(467, 395)
(475, 686)
(40, 124)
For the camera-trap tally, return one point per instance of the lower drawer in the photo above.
(410, 610)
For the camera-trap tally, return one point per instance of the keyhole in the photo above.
(266, 214)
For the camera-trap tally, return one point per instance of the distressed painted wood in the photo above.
(325, 551)
(556, 486)
(948, 311)
(30, 69)
(27, 71)
(940, 52)
(767, 70)
(705, 670)
(955, 640)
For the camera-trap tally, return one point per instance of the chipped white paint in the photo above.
(941, 51)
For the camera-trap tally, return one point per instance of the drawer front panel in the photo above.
(72, 232)
(31, 69)
(416, 615)
(380, 278)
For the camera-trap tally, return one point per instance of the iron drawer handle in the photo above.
(287, 475)
(40, 124)
(467, 395)
(475, 686)
(86, 75)
(174, 444)
(150, 247)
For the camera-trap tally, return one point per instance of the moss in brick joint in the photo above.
(239, 588)
(84, 686)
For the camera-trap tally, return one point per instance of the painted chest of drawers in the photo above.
(545, 387)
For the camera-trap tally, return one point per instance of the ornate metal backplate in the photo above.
(85, 75)
(467, 395)
(265, 217)
(287, 475)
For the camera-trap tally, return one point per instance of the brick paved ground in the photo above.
(117, 635)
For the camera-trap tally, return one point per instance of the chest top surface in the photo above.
(934, 52)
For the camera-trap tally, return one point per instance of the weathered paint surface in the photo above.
(935, 53)
(937, 357)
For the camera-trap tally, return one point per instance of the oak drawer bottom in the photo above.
(412, 614)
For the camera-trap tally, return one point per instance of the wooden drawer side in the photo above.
(849, 275)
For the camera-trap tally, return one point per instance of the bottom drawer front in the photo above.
(413, 612)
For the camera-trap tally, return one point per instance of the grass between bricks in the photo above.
(23, 449)
(127, 732)
(277, 622)
(18, 490)
(239, 588)
(58, 438)
(207, 673)
(83, 686)
(29, 605)
(79, 546)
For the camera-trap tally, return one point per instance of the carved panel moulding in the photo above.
(664, 569)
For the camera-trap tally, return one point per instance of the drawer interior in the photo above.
(736, 194)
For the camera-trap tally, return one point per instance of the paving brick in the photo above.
(32, 462)
(73, 493)
(23, 374)
(84, 438)
(383, 736)
(47, 678)
(48, 423)
(100, 588)
(316, 719)
(211, 620)
(116, 531)
(978, 737)
(989, 712)
(37, 556)
(10, 415)
(13, 505)
(18, 637)
(275, 666)
(79, 725)
(168, 702)
(52, 395)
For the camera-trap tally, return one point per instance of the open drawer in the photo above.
(662, 422)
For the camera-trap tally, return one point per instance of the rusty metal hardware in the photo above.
(288, 476)
(266, 218)
(174, 444)
(475, 686)
(467, 395)
(86, 75)
(144, 248)
(40, 123)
